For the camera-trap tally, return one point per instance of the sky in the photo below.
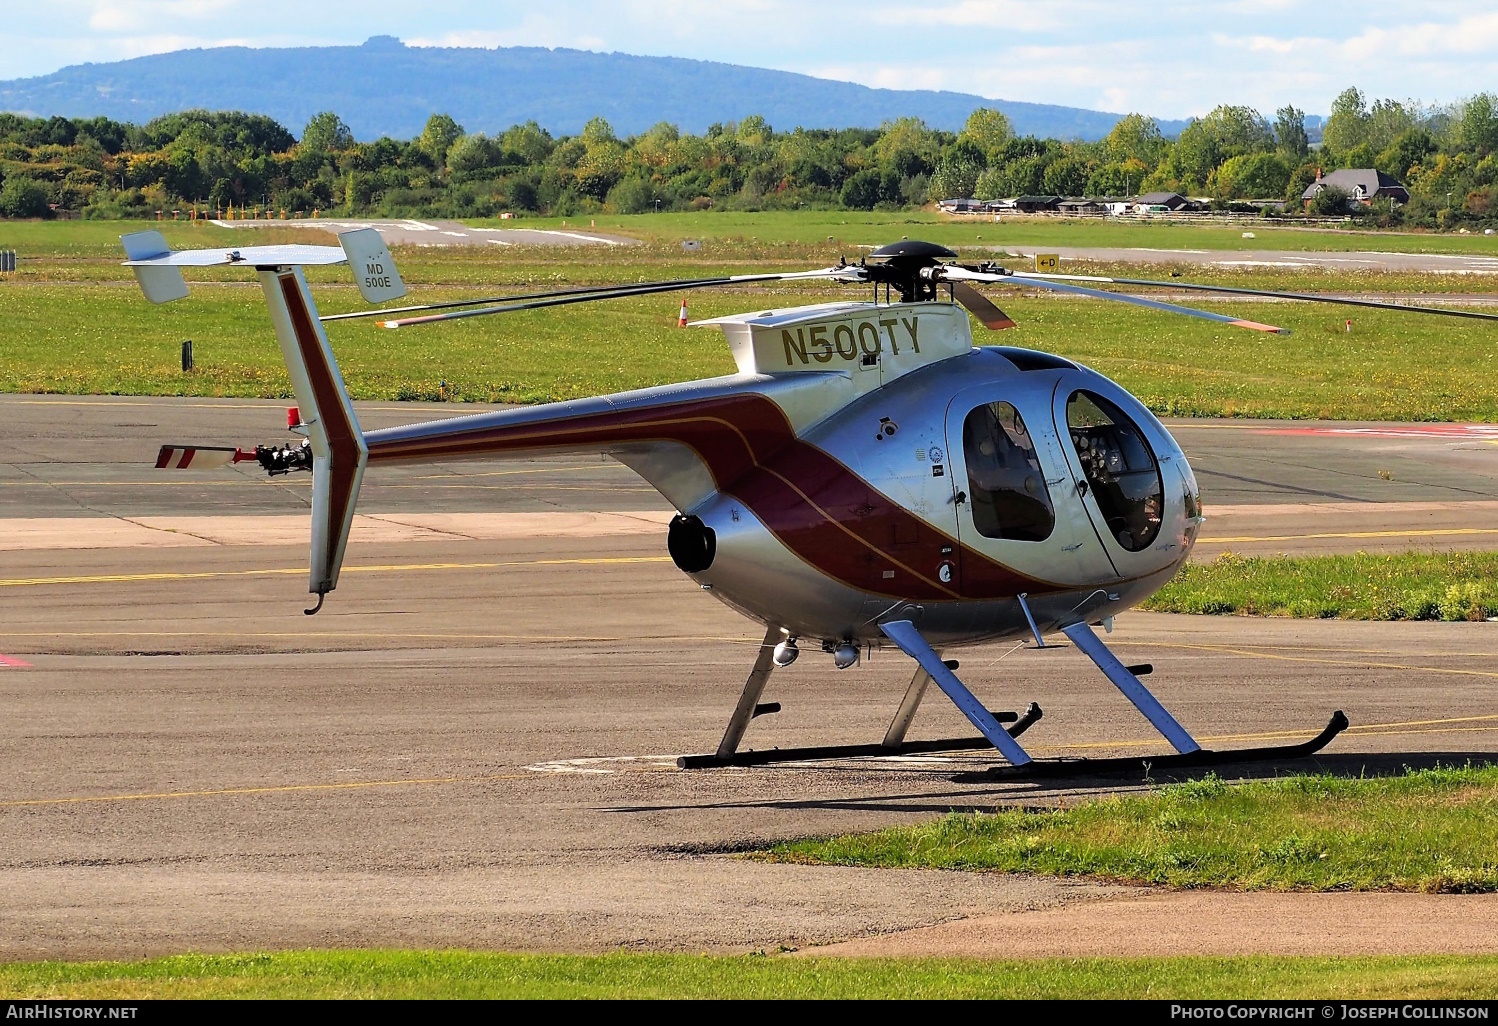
(1168, 58)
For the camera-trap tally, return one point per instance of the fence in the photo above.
(7, 261)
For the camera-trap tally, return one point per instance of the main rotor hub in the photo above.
(901, 264)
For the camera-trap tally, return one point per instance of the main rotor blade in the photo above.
(1304, 297)
(950, 273)
(518, 297)
(978, 305)
(580, 289)
(625, 291)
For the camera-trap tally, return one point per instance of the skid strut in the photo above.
(749, 704)
(1188, 752)
(931, 667)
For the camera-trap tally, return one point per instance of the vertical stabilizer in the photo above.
(160, 284)
(338, 449)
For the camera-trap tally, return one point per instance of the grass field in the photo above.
(75, 322)
(1428, 830)
(1399, 586)
(105, 339)
(818, 226)
(451, 974)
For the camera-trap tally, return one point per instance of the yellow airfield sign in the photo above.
(1047, 263)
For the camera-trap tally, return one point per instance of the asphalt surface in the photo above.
(411, 232)
(473, 743)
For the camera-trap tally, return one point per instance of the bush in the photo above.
(862, 190)
(632, 196)
(22, 197)
(1330, 201)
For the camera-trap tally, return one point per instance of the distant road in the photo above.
(1439, 263)
(410, 232)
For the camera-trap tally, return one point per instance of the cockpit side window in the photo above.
(1120, 468)
(1006, 486)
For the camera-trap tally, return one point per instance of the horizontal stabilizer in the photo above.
(200, 457)
(249, 256)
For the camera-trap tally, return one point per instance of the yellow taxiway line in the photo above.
(200, 575)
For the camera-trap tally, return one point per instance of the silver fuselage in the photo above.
(834, 489)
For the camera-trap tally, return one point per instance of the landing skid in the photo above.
(1021, 723)
(1145, 765)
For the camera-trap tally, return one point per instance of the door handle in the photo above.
(959, 498)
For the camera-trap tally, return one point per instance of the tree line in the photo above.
(216, 161)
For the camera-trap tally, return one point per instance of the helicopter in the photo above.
(867, 478)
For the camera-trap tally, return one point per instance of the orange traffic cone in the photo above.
(681, 318)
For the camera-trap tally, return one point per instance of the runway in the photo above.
(472, 745)
(1439, 263)
(411, 232)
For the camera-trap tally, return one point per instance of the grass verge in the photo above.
(452, 974)
(1428, 830)
(1361, 586)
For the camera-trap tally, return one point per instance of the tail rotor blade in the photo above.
(978, 305)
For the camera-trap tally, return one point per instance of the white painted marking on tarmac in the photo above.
(915, 760)
(605, 764)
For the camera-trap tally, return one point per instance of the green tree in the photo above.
(598, 131)
(988, 129)
(1251, 176)
(862, 190)
(1477, 132)
(474, 153)
(633, 196)
(754, 131)
(438, 136)
(1387, 121)
(1405, 152)
(1347, 124)
(1119, 178)
(955, 179)
(1067, 176)
(328, 133)
(23, 197)
(530, 142)
(1290, 132)
(1135, 137)
(906, 136)
(1238, 130)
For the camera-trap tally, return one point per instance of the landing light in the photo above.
(786, 652)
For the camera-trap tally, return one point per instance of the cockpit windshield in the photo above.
(1120, 468)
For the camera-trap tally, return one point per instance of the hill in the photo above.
(386, 88)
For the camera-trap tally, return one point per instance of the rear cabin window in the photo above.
(1120, 469)
(1006, 485)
